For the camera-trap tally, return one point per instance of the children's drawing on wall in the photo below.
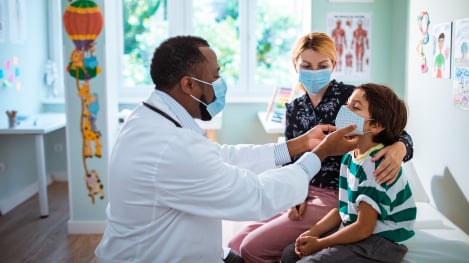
(461, 87)
(423, 23)
(83, 22)
(441, 45)
(17, 21)
(461, 40)
(351, 33)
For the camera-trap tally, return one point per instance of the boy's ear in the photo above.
(376, 127)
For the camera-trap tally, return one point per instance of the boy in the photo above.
(372, 219)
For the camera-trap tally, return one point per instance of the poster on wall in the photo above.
(461, 40)
(441, 55)
(351, 33)
(17, 21)
(461, 88)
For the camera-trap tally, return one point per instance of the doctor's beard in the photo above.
(204, 115)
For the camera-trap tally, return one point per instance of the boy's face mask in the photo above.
(346, 117)
(314, 80)
(216, 106)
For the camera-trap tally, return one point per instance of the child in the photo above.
(371, 218)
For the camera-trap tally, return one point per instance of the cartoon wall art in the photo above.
(423, 23)
(441, 50)
(83, 22)
(461, 88)
(461, 40)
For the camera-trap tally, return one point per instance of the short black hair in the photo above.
(175, 58)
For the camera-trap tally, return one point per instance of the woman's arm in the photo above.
(393, 155)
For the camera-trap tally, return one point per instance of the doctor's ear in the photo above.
(186, 84)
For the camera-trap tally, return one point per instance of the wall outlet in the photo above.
(2, 168)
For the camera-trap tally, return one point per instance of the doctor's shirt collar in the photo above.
(182, 115)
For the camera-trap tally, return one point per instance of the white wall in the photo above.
(439, 129)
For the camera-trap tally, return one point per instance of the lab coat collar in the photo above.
(166, 103)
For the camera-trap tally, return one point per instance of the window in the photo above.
(252, 38)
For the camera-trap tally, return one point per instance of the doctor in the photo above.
(170, 186)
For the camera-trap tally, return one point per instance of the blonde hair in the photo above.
(318, 42)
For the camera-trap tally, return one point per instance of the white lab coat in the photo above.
(169, 189)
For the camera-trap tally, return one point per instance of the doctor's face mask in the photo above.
(216, 106)
(346, 117)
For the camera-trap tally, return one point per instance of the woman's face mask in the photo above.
(346, 117)
(314, 80)
(216, 106)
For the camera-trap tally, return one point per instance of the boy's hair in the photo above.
(386, 109)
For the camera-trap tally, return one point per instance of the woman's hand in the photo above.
(296, 213)
(392, 160)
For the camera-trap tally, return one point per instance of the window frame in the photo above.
(180, 19)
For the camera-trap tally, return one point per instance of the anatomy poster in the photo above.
(441, 47)
(461, 40)
(351, 33)
(461, 87)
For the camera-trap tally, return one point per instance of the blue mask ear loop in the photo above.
(365, 132)
(203, 103)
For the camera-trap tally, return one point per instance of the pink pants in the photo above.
(264, 241)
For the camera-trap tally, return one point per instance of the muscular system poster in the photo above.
(351, 33)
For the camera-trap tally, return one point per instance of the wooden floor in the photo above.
(25, 237)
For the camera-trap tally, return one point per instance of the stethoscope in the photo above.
(162, 113)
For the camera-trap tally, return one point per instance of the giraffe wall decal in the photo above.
(83, 22)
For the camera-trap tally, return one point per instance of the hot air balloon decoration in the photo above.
(83, 22)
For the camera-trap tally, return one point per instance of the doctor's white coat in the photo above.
(170, 187)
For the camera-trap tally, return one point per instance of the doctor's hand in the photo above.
(336, 143)
(307, 141)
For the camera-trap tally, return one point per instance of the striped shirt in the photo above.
(394, 203)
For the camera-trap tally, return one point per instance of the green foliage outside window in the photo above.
(146, 25)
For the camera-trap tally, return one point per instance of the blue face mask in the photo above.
(219, 88)
(346, 117)
(314, 80)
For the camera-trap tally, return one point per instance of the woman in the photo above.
(314, 58)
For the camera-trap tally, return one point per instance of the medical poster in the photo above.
(441, 55)
(351, 33)
(461, 40)
(461, 88)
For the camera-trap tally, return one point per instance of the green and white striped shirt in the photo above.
(394, 203)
